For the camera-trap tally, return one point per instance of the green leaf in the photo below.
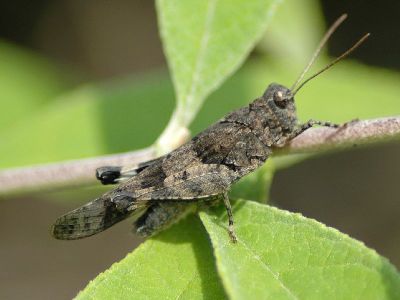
(206, 41)
(177, 264)
(281, 255)
(295, 32)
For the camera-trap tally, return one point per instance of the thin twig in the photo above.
(352, 133)
(65, 174)
(82, 172)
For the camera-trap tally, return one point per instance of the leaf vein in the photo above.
(203, 47)
(265, 265)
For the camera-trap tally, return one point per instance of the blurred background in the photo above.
(61, 65)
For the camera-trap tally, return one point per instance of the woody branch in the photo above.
(81, 172)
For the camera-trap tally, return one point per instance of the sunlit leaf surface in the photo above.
(281, 255)
(177, 264)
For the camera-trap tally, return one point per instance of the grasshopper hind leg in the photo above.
(160, 216)
(117, 174)
(108, 174)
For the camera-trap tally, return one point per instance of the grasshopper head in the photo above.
(280, 100)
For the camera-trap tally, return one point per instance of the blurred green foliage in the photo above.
(109, 118)
(27, 82)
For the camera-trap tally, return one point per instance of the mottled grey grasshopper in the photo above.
(203, 169)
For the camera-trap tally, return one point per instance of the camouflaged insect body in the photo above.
(160, 191)
(203, 169)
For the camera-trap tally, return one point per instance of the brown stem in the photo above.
(65, 174)
(352, 133)
(82, 172)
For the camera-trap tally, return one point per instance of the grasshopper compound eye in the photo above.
(279, 99)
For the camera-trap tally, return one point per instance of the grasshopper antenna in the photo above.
(322, 43)
(335, 61)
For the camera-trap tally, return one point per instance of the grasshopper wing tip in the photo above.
(81, 222)
(68, 227)
(87, 220)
